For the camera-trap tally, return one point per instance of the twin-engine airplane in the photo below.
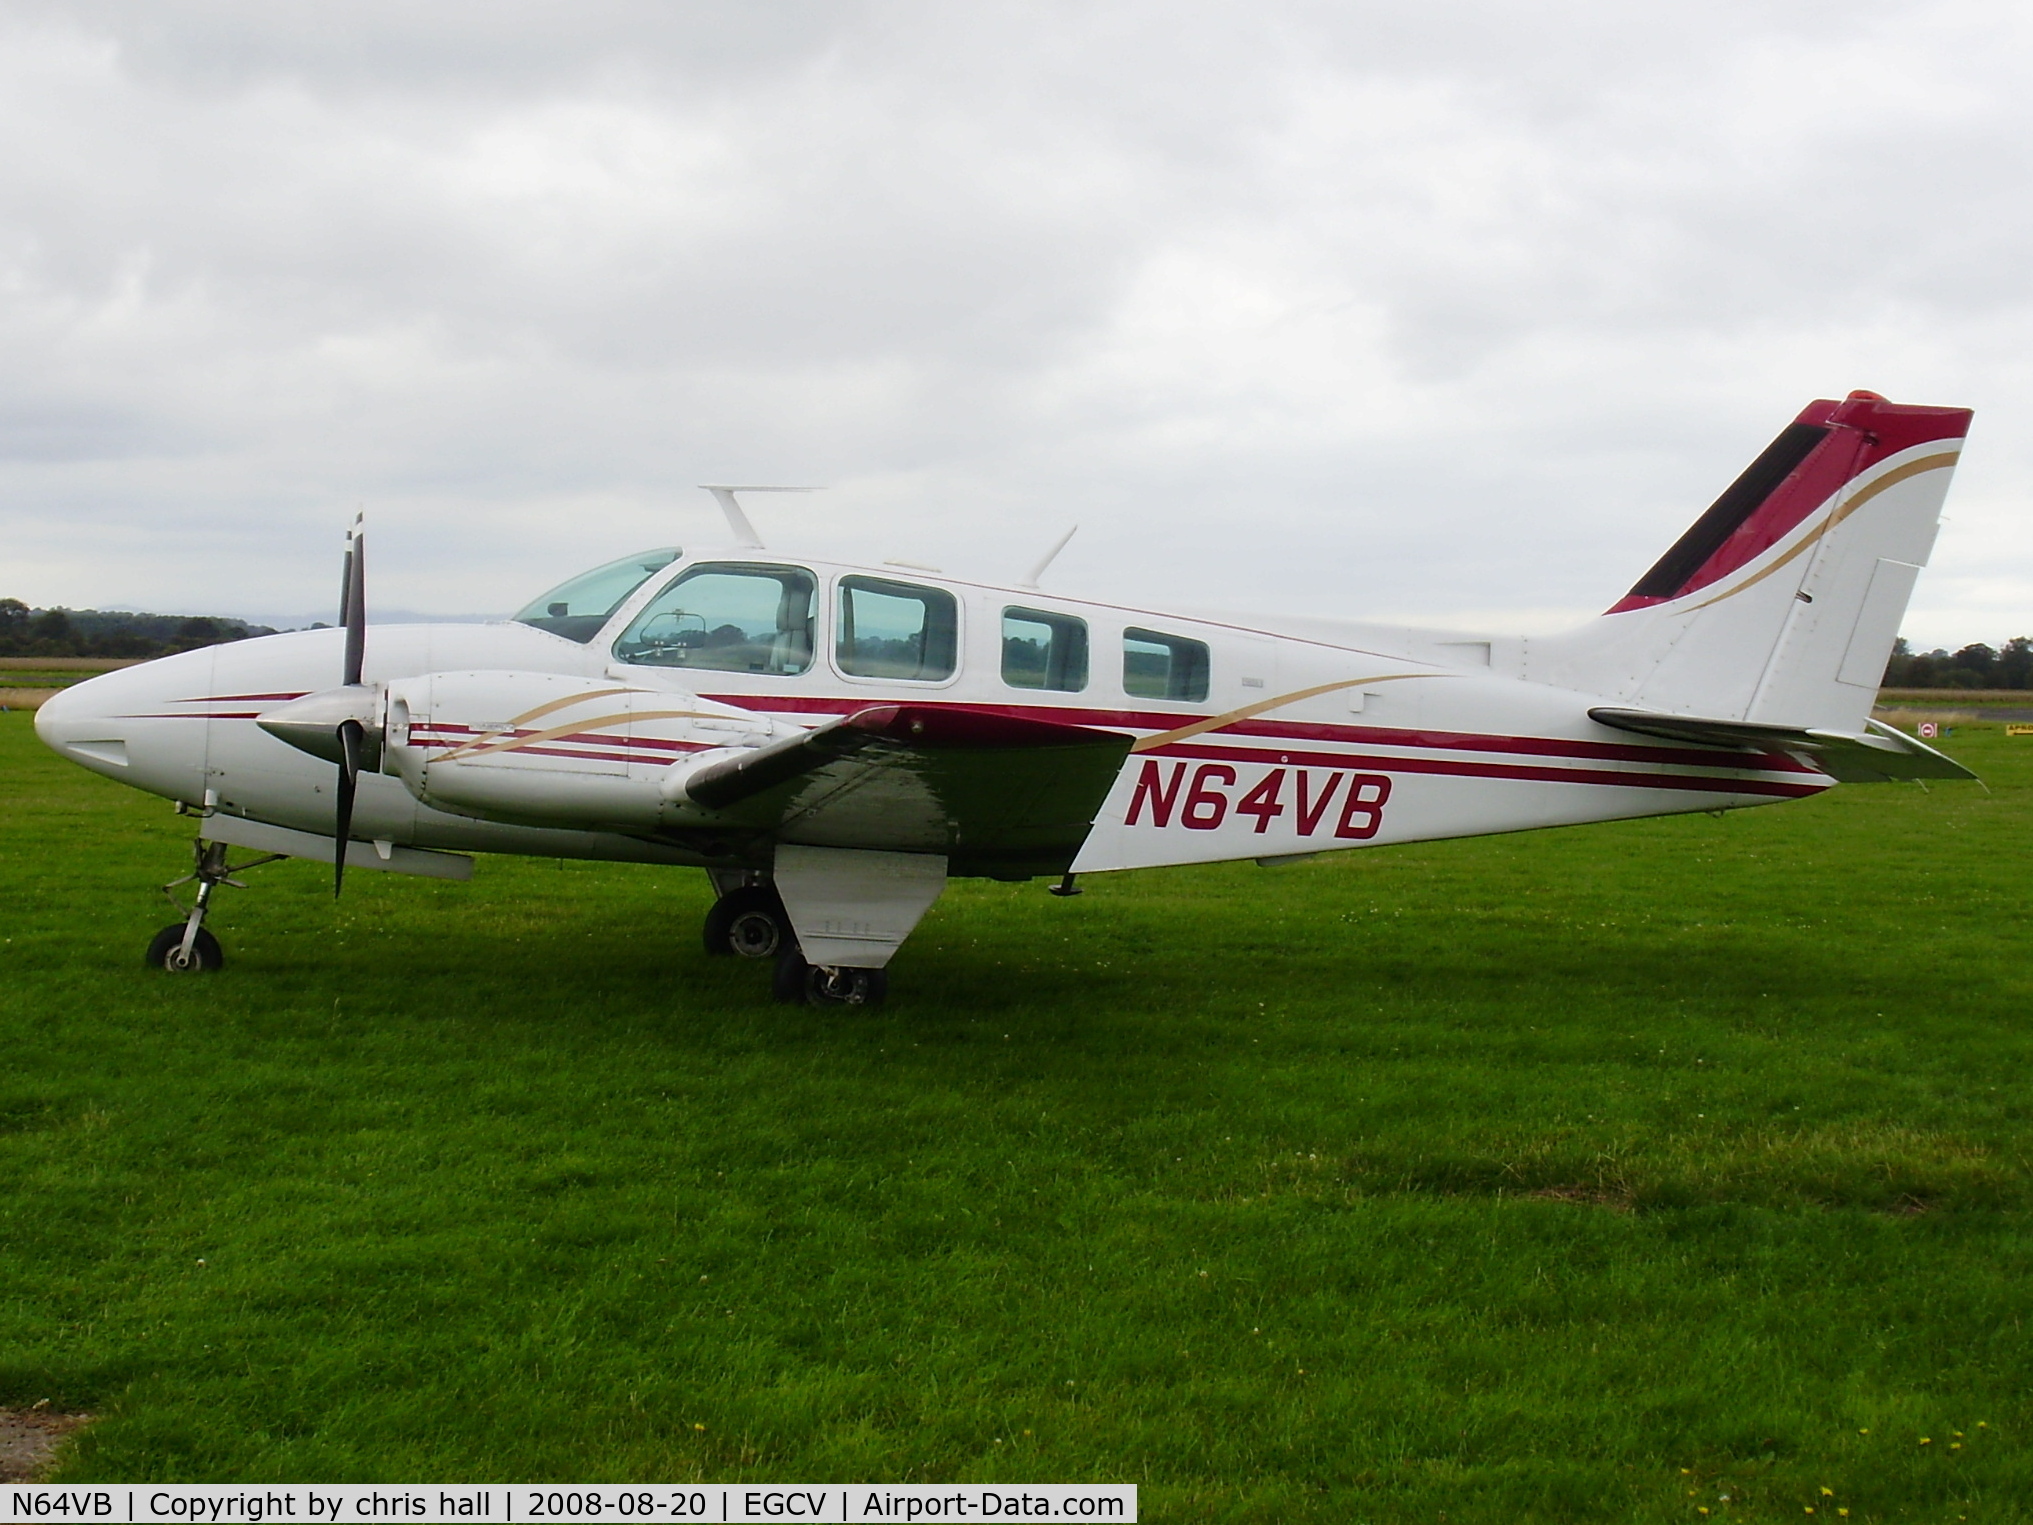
(832, 743)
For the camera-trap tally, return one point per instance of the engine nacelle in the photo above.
(547, 749)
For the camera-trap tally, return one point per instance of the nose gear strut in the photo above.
(186, 945)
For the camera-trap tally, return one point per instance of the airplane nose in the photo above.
(74, 724)
(132, 725)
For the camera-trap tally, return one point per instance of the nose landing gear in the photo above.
(186, 946)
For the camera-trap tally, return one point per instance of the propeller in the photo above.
(351, 733)
(341, 725)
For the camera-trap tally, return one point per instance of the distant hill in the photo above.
(30, 632)
(377, 614)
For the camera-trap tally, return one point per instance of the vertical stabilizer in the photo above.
(1781, 603)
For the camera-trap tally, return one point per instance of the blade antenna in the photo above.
(1037, 572)
(737, 518)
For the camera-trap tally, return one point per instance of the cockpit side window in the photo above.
(578, 609)
(727, 616)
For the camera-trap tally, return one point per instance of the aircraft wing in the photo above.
(1875, 755)
(1000, 796)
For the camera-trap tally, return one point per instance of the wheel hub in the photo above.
(754, 934)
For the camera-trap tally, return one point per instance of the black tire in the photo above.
(792, 973)
(164, 953)
(845, 987)
(800, 983)
(748, 923)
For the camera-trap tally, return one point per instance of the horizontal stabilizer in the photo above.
(1875, 755)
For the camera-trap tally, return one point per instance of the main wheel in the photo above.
(846, 987)
(788, 985)
(820, 985)
(749, 922)
(166, 952)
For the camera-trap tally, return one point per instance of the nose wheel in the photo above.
(178, 950)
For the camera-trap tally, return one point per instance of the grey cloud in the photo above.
(1458, 308)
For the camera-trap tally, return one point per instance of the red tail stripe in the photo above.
(1864, 429)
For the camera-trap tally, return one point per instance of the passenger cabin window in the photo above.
(1041, 650)
(578, 609)
(727, 617)
(1158, 666)
(897, 630)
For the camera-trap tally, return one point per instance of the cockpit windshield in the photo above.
(577, 609)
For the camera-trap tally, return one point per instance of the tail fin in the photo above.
(1781, 603)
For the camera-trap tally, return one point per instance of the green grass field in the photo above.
(1589, 1175)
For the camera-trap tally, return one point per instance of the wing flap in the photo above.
(1875, 755)
(1000, 795)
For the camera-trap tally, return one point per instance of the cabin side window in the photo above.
(1158, 666)
(1041, 650)
(727, 617)
(896, 630)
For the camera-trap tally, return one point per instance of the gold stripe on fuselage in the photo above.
(1265, 706)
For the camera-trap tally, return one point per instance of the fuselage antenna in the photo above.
(1038, 571)
(737, 520)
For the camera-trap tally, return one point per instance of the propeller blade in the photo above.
(353, 601)
(351, 733)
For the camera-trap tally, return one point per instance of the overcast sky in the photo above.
(1456, 312)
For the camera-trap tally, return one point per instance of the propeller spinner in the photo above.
(341, 725)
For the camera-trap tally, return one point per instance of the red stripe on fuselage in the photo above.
(1299, 730)
(188, 715)
(1463, 769)
(236, 698)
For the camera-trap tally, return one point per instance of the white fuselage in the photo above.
(1275, 744)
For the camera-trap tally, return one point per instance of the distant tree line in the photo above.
(26, 632)
(1978, 666)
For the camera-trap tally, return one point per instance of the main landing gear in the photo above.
(749, 921)
(186, 946)
(819, 985)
